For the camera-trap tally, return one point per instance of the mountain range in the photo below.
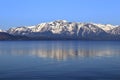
(63, 30)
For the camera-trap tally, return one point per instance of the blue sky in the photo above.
(15, 13)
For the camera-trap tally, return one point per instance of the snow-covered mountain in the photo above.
(56, 27)
(64, 29)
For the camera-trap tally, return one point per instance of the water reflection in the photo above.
(61, 50)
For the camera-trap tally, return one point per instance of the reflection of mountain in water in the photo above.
(62, 51)
(62, 54)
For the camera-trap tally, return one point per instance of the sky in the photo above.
(14, 13)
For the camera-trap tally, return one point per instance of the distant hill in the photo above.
(6, 36)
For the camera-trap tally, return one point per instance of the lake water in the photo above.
(60, 60)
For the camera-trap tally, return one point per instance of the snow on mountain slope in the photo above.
(105, 27)
(115, 31)
(19, 30)
(91, 30)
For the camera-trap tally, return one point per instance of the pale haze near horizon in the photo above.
(16, 13)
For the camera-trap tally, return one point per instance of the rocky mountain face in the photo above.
(115, 31)
(61, 29)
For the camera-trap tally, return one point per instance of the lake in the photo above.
(59, 60)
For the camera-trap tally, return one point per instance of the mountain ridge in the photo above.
(62, 29)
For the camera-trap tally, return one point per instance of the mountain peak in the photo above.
(59, 21)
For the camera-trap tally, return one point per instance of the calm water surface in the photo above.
(60, 60)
